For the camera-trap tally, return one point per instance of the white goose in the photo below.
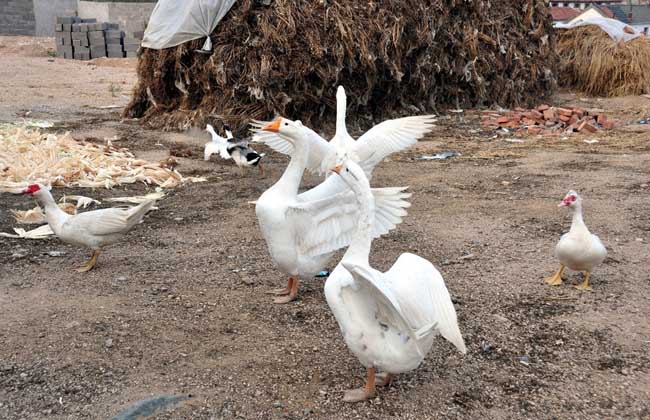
(302, 231)
(91, 229)
(372, 147)
(388, 320)
(578, 249)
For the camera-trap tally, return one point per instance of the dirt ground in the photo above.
(179, 308)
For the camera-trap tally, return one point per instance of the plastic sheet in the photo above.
(175, 22)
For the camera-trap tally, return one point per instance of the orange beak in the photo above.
(337, 168)
(273, 126)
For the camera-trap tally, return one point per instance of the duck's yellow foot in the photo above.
(89, 264)
(555, 279)
(362, 394)
(585, 284)
(292, 292)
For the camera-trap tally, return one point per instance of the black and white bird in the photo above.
(232, 148)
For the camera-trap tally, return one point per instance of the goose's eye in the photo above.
(286, 123)
(347, 170)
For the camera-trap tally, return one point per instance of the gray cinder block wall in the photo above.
(131, 15)
(36, 17)
(46, 11)
(17, 17)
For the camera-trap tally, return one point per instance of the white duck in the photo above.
(372, 147)
(578, 249)
(388, 320)
(232, 148)
(91, 229)
(302, 231)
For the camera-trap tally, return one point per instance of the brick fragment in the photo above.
(543, 107)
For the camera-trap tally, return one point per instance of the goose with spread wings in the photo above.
(302, 231)
(368, 150)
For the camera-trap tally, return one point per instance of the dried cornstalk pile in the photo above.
(29, 156)
(393, 57)
(595, 64)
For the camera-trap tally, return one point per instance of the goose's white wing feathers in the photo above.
(389, 137)
(327, 224)
(423, 297)
(389, 307)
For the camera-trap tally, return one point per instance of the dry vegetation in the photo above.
(595, 64)
(392, 57)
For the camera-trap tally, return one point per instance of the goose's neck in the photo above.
(577, 223)
(359, 249)
(341, 105)
(289, 182)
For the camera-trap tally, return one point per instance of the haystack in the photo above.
(393, 57)
(595, 64)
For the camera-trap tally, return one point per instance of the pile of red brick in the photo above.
(547, 120)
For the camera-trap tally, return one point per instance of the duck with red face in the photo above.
(578, 249)
(91, 229)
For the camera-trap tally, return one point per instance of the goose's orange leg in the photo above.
(364, 393)
(293, 291)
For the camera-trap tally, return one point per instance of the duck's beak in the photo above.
(273, 126)
(337, 169)
(564, 203)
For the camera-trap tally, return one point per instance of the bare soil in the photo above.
(179, 308)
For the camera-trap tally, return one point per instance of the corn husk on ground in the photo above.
(29, 156)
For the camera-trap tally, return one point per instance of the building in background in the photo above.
(636, 16)
(584, 4)
(37, 17)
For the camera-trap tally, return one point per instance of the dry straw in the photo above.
(393, 57)
(595, 64)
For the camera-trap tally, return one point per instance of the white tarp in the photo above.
(614, 28)
(174, 22)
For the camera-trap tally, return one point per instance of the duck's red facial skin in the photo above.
(31, 189)
(568, 201)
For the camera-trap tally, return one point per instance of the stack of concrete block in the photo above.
(63, 35)
(114, 43)
(83, 39)
(132, 43)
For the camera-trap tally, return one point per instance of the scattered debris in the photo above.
(149, 407)
(81, 200)
(29, 156)
(524, 360)
(138, 199)
(41, 232)
(170, 163)
(36, 215)
(324, 273)
(56, 253)
(180, 151)
(546, 120)
(591, 141)
(486, 346)
(439, 156)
